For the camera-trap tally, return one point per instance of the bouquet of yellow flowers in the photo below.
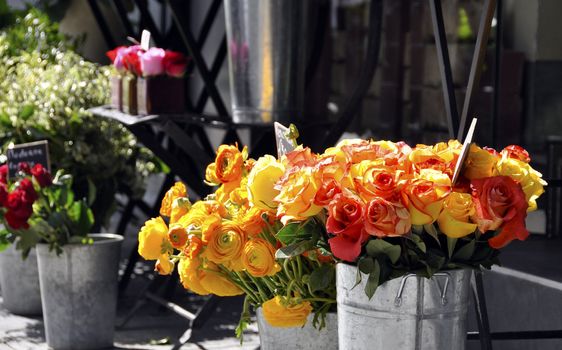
(393, 210)
(226, 243)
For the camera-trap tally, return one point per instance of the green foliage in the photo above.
(45, 91)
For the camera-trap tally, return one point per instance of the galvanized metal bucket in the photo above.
(266, 59)
(79, 293)
(305, 338)
(19, 281)
(407, 313)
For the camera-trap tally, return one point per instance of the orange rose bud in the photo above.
(177, 235)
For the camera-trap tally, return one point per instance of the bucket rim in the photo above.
(103, 239)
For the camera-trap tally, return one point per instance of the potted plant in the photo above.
(407, 238)
(225, 244)
(148, 81)
(76, 269)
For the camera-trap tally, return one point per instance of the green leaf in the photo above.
(373, 281)
(322, 278)
(26, 112)
(376, 247)
(366, 265)
(419, 242)
(466, 251)
(358, 278)
(293, 250)
(293, 232)
(82, 217)
(451, 243)
(91, 192)
(432, 231)
(417, 229)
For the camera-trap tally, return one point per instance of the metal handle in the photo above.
(443, 292)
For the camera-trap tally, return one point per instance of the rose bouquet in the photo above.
(148, 81)
(225, 244)
(393, 210)
(37, 208)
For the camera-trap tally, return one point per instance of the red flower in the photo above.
(113, 53)
(26, 186)
(24, 168)
(517, 152)
(4, 173)
(19, 209)
(131, 59)
(3, 194)
(42, 175)
(500, 204)
(346, 224)
(327, 191)
(175, 63)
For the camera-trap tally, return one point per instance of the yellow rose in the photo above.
(153, 237)
(440, 156)
(280, 312)
(479, 163)
(259, 258)
(218, 283)
(177, 191)
(424, 196)
(180, 207)
(530, 180)
(225, 245)
(296, 199)
(261, 182)
(190, 275)
(454, 220)
(164, 266)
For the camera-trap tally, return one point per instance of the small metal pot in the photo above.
(79, 293)
(405, 313)
(302, 338)
(19, 281)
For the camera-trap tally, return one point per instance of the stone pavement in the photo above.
(151, 328)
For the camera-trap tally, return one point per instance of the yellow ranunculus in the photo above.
(251, 221)
(530, 180)
(280, 312)
(225, 245)
(261, 182)
(190, 275)
(152, 236)
(296, 199)
(196, 216)
(259, 258)
(454, 220)
(218, 283)
(177, 235)
(180, 207)
(176, 191)
(479, 163)
(210, 227)
(164, 266)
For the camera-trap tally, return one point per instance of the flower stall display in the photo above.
(225, 244)
(75, 268)
(391, 215)
(148, 81)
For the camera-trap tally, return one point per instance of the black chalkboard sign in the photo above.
(32, 153)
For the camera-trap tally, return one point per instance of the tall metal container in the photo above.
(19, 281)
(409, 313)
(302, 338)
(79, 293)
(266, 58)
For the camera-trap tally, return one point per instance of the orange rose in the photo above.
(296, 197)
(373, 179)
(424, 196)
(516, 152)
(480, 163)
(300, 157)
(500, 204)
(177, 191)
(385, 219)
